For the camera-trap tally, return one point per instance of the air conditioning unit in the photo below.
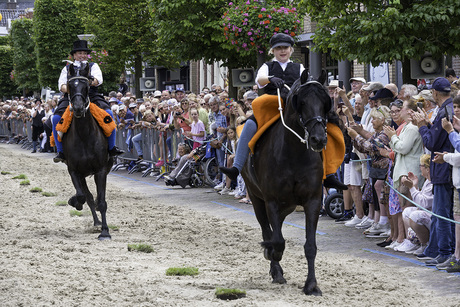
(147, 84)
(243, 77)
(427, 67)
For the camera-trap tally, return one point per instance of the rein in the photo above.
(79, 94)
(317, 119)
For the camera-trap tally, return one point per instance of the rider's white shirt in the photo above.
(263, 71)
(95, 72)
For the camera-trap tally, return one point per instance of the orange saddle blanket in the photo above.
(103, 118)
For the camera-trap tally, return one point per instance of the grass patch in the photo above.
(36, 190)
(190, 271)
(229, 294)
(48, 194)
(75, 213)
(21, 176)
(5, 173)
(114, 228)
(145, 248)
(61, 203)
(24, 182)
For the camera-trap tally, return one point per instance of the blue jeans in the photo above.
(220, 156)
(441, 231)
(137, 141)
(55, 120)
(242, 150)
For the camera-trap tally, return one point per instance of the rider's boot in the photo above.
(332, 182)
(59, 157)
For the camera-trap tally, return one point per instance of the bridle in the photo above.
(307, 125)
(86, 99)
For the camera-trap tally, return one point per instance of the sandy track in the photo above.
(51, 258)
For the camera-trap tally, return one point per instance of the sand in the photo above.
(49, 257)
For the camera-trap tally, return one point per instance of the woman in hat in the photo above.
(79, 54)
(271, 76)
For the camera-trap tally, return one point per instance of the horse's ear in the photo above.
(304, 77)
(71, 70)
(323, 76)
(84, 70)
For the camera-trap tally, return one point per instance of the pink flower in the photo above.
(263, 9)
(249, 33)
(230, 4)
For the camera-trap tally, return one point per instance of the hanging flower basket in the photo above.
(248, 25)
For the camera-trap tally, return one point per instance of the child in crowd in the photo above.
(197, 132)
(232, 140)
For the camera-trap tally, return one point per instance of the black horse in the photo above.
(284, 173)
(86, 149)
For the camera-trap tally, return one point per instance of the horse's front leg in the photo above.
(91, 203)
(79, 198)
(311, 222)
(274, 248)
(101, 182)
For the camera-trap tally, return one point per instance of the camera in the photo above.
(178, 113)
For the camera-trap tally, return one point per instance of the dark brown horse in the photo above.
(284, 173)
(86, 149)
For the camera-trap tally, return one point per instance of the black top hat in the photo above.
(80, 45)
(281, 39)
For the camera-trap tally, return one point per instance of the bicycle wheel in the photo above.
(211, 169)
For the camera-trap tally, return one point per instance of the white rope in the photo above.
(280, 108)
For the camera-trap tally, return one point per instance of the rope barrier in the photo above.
(420, 207)
(362, 160)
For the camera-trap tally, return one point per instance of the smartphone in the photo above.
(449, 113)
(340, 83)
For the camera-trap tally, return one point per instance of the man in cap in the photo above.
(383, 97)
(157, 94)
(436, 139)
(80, 53)
(180, 94)
(271, 76)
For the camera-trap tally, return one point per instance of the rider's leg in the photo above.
(113, 150)
(242, 151)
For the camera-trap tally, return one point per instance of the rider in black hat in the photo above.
(80, 53)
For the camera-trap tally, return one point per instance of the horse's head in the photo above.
(78, 87)
(311, 102)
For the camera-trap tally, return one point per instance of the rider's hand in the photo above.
(277, 82)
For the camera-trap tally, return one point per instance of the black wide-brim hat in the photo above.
(80, 45)
(281, 39)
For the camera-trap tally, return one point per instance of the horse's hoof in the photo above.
(314, 291)
(266, 255)
(74, 203)
(279, 280)
(104, 236)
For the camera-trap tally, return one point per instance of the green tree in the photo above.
(24, 57)
(56, 26)
(7, 87)
(384, 31)
(124, 29)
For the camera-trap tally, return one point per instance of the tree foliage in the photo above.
(124, 29)
(7, 87)
(383, 31)
(24, 56)
(56, 26)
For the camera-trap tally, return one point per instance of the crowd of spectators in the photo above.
(399, 154)
(402, 146)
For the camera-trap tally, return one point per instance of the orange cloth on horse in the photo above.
(266, 112)
(103, 118)
(334, 153)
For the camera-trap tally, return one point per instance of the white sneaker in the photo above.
(366, 223)
(219, 187)
(402, 247)
(225, 191)
(420, 250)
(233, 192)
(354, 221)
(379, 228)
(392, 245)
(414, 248)
(368, 230)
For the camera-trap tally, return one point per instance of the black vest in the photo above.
(289, 75)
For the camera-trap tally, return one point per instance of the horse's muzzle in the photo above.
(317, 144)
